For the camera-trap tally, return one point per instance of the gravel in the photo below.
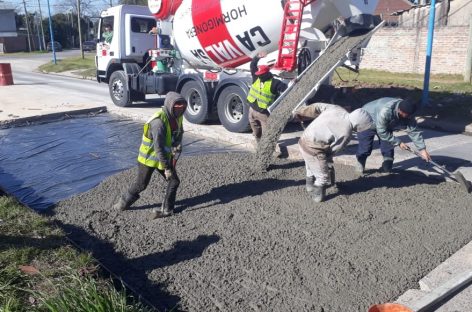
(246, 241)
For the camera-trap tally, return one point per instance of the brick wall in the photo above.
(404, 50)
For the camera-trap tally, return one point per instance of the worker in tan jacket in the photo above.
(327, 134)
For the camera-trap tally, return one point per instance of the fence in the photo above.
(403, 48)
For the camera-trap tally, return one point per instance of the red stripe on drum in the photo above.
(213, 35)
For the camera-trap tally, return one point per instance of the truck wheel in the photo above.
(119, 91)
(233, 110)
(197, 100)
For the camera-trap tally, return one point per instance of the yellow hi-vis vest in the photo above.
(147, 155)
(260, 92)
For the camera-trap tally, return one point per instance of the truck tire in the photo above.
(233, 110)
(197, 100)
(119, 91)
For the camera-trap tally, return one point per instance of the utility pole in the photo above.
(35, 23)
(72, 28)
(111, 3)
(41, 23)
(80, 31)
(468, 62)
(27, 26)
(429, 52)
(51, 33)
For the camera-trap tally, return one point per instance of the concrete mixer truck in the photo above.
(201, 48)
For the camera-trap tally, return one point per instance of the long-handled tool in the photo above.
(175, 157)
(457, 176)
(432, 300)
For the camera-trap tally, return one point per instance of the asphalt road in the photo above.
(70, 89)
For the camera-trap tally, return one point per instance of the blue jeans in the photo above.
(366, 143)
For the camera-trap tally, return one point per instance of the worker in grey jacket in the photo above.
(389, 114)
(160, 146)
(327, 134)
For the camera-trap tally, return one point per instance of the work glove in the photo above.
(168, 173)
(262, 54)
(425, 155)
(404, 147)
(177, 149)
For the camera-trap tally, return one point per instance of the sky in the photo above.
(57, 6)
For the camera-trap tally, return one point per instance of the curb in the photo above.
(447, 126)
(68, 74)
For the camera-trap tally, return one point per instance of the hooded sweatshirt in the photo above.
(157, 128)
(332, 128)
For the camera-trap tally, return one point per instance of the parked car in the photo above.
(89, 46)
(57, 46)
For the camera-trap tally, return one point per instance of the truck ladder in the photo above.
(288, 43)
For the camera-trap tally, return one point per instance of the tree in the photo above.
(86, 6)
(61, 28)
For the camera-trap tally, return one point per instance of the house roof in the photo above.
(387, 7)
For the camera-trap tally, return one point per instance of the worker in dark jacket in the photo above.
(389, 114)
(161, 142)
(264, 90)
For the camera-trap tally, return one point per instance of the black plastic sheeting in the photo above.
(43, 164)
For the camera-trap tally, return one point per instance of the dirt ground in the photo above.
(245, 241)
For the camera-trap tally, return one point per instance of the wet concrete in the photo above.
(283, 112)
(245, 241)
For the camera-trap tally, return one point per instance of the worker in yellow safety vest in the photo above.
(264, 91)
(160, 146)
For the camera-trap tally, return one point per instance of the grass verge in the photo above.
(41, 271)
(438, 83)
(82, 66)
(450, 98)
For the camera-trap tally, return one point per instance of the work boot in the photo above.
(121, 205)
(360, 167)
(125, 201)
(278, 152)
(310, 186)
(387, 166)
(161, 213)
(319, 193)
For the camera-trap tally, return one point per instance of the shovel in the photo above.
(458, 177)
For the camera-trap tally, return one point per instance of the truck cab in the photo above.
(123, 37)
